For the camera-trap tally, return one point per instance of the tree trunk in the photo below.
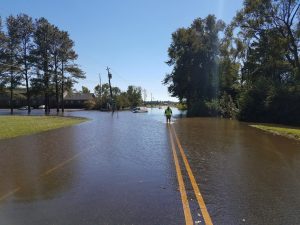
(46, 106)
(11, 101)
(11, 93)
(62, 87)
(27, 85)
(27, 95)
(111, 96)
(46, 85)
(56, 86)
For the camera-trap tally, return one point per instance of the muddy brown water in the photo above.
(119, 170)
(247, 176)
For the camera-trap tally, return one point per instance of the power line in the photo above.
(126, 80)
(92, 80)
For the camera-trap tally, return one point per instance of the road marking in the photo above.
(44, 174)
(185, 202)
(61, 164)
(199, 197)
(9, 194)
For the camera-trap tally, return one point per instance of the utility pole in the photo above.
(145, 96)
(151, 100)
(111, 96)
(100, 85)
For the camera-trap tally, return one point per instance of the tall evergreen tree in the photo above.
(12, 63)
(194, 55)
(55, 47)
(2, 56)
(25, 29)
(70, 71)
(42, 38)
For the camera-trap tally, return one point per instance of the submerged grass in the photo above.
(291, 132)
(13, 126)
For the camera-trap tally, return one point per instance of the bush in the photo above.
(197, 108)
(90, 104)
(224, 106)
(181, 106)
(252, 102)
(213, 107)
(271, 103)
(283, 106)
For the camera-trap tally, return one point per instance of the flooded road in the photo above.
(245, 175)
(120, 170)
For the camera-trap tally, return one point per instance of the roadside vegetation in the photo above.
(248, 69)
(37, 55)
(13, 126)
(181, 106)
(291, 132)
(130, 98)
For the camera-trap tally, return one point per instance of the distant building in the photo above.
(71, 100)
(19, 98)
(77, 100)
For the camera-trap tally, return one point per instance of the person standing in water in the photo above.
(168, 114)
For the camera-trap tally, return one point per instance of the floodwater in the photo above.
(246, 176)
(119, 169)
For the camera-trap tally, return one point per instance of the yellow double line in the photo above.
(185, 202)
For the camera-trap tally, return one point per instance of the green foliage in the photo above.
(11, 69)
(213, 106)
(134, 95)
(223, 106)
(252, 101)
(85, 90)
(283, 105)
(193, 54)
(131, 98)
(90, 104)
(278, 16)
(37, 55)
(267, 102)
(122, 101)
(181, 106)
(270, 68)
(252, 73)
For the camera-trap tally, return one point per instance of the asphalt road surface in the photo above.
(131, 168)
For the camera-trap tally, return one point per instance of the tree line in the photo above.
(38, 55)
(248, 69)
(130, 98)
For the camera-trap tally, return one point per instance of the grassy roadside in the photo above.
(13, 126)
(290, 132)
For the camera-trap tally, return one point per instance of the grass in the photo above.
(290, 132)
(13, 126)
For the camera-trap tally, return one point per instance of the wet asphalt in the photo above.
(246, 176)
(119, 169)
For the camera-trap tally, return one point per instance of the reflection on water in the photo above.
(126, 172)
(158, 114)
(22, 167)
(244, 173)
(123, 175)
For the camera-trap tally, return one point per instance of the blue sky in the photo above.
(129, 36)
